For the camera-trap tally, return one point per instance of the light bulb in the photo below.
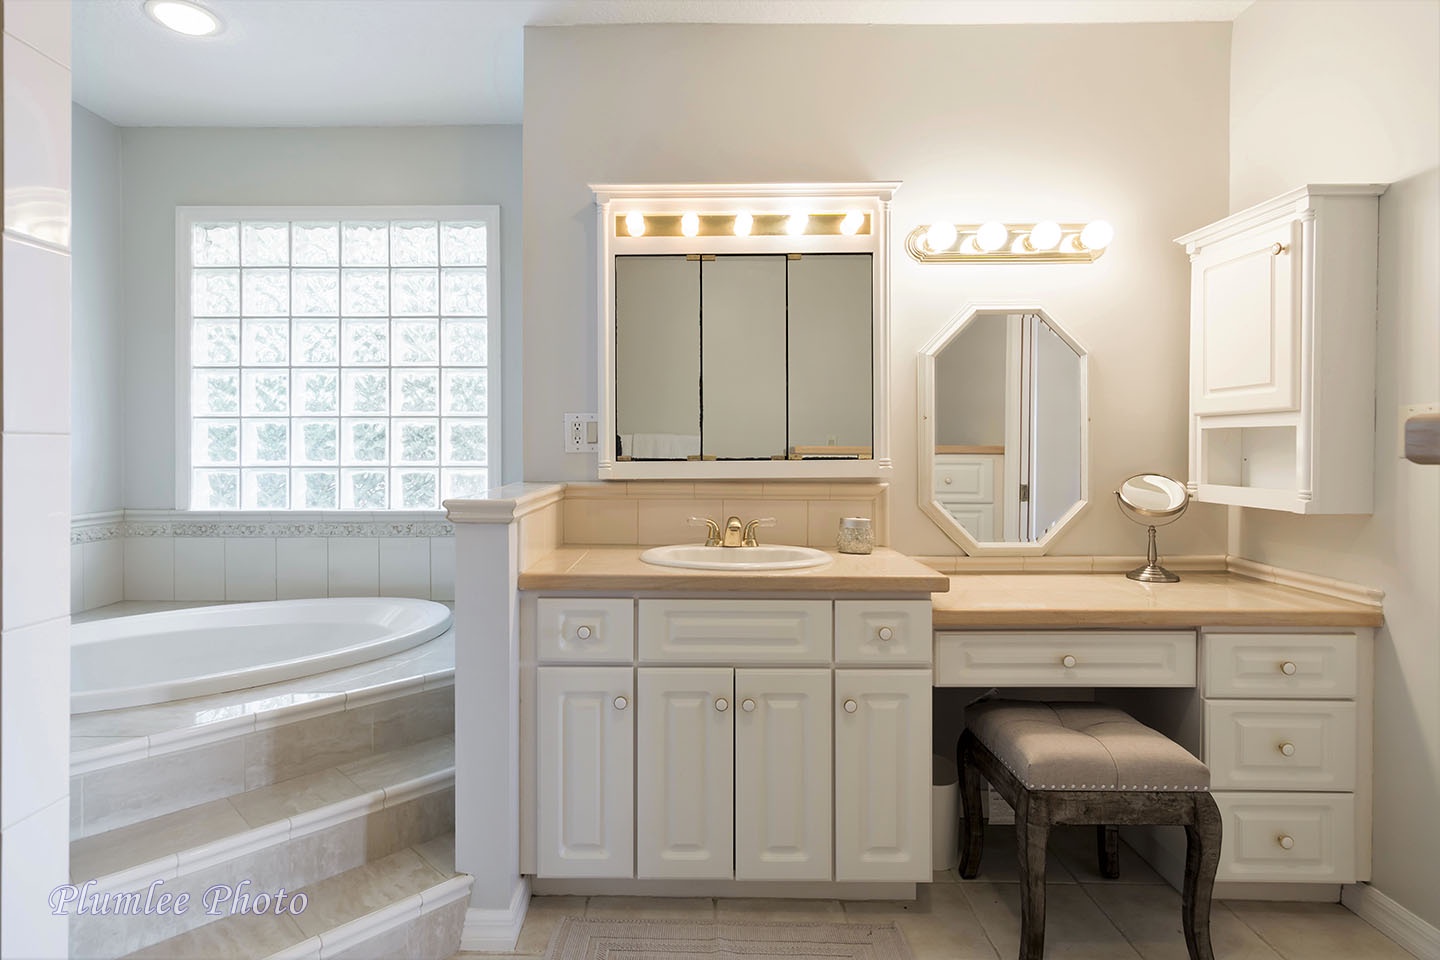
(991, 236)
(184, 17)
(940, 236)
(1044, 235)
(797, 224)
(1097, 235)
(852, 223)
(743, 223)
(635, 224)
(690, 224)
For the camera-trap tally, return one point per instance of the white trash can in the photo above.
(944, 814)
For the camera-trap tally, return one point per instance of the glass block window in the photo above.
(337, 362)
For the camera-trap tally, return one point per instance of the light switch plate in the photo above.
(582, 433)
(1406, 412)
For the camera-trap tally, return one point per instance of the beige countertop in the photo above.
(620, 568)
(1110, 600)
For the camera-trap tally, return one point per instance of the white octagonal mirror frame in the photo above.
(925, 435)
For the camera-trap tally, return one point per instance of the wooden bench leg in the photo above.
(1032, 834)
(1202, 857)
(973, 842)
(1107, 849)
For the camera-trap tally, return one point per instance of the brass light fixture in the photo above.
(1046, 241)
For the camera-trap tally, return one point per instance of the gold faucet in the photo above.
(712, 530)
(735, 533)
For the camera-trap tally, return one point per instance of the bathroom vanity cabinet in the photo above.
(715, 738)
(1282, 352)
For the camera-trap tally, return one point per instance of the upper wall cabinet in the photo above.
(743, 330)
(1282, 352)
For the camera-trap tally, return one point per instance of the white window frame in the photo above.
(187, 216)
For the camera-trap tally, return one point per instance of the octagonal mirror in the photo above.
(1003, 430)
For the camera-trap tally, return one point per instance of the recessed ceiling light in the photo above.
(184, 17)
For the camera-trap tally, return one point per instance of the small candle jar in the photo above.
(857, 535)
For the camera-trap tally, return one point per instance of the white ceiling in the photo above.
(379, 62)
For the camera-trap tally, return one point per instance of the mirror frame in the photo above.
(613, 201)
(925, 434)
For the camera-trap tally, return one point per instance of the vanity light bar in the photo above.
(1044, 242)
(742, 224)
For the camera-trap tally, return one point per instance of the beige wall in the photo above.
(1124, 122)
(1337, 92)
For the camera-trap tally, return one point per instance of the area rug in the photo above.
(578, 939)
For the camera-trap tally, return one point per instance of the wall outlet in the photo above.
(582, 433)
(1406, 412)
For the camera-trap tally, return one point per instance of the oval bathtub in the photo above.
(175, 654)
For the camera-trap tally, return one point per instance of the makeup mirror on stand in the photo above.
(1152, 500)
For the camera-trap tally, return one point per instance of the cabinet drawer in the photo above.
(965, 478)
(1290, 745)
(735, 631)
(1319, 829)
(1315, 666)
(882, 631)
(1066, 658)
(585, 630)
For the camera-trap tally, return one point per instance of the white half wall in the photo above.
(1350, 92)
(168, 167)
(1122, 122)
(97, 343)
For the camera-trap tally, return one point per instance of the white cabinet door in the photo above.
(782, 775)
(1244, 341)
(685, 775)
(585, 752)
(882, 775)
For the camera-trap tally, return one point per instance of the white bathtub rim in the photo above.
(424, 621)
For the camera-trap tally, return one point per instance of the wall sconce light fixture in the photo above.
(994, 242)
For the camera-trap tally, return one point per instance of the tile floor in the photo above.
(1087, 918)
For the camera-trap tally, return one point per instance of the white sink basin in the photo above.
(735, 558)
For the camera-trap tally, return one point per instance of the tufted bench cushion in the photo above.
(1082, 746)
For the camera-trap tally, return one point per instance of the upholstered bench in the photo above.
(1086, 763)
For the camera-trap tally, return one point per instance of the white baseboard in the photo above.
(768, 889)
(495, 931)
(1393, 920)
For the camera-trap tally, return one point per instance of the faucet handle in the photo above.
(712, 529)
(749, 537)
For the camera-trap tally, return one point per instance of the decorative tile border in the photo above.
(184, 523)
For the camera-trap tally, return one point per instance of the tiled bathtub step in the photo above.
(157, 783)
(186, 836)
(416, 804)
(409, 904)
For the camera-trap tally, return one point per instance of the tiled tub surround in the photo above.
(341, 784)
(192, 556)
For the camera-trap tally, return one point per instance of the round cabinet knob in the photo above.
(1068, 661)
(1288, 668)
(948, 481)
(621, 703)
(1277, 248)
(851, 706)
(1287, 749)
(1286, 841)
(885, 633)
(747, 705)
(583, 632)
(722, 704)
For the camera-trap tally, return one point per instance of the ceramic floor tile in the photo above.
(1149, 917)
(230, 938)
(282, 753)
(440, 854)
(1075, 928)
(1316, 931)
(1075, 848)
(650, 908)
(97, 855)
(1000, 862)
(298, 795)
(398, 766)
(412, 719)
(939, 919)
(543, 918)
(362, 890)
(759, 910)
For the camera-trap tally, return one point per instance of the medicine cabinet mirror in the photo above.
(1003, 429)
(743, 331)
